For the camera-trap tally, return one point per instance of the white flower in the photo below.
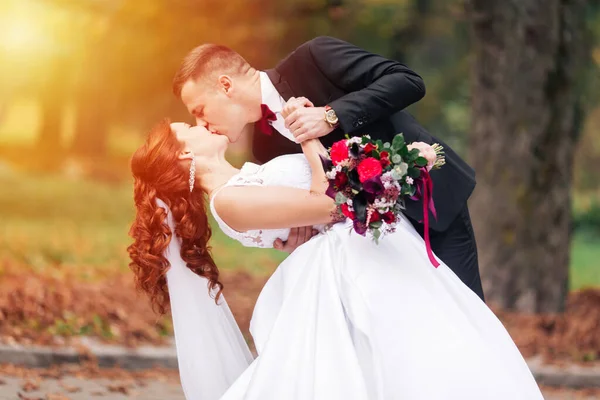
(401, 168)
(387, 177)
(396, 159)
(355, 139)
(409, 180)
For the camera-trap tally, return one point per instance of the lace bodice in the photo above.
(289, 170)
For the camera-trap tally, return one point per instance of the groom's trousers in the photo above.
(457, 248)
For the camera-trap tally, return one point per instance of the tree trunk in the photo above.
(94, 102)
(52, 102)
(527, 56)
(91, 126)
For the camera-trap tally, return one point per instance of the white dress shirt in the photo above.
(272, 98)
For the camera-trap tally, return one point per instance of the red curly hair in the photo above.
(159, 174)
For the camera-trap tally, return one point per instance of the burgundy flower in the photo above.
(369, 168)
(389, 217)
(369, 147)
(341, 179)
(384, 159)
(375, 216)
(374, 186)
(360, 228)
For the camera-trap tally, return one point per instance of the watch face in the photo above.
(331, 117)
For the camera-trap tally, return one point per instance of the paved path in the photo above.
(102, 389)
(81, 389)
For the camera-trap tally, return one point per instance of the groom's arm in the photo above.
(378, 87)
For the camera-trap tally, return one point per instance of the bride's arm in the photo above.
(246, 208)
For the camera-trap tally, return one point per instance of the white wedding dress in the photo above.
(344, 318)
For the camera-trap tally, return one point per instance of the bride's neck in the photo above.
(216, 175)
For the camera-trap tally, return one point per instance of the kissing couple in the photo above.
(342, 317)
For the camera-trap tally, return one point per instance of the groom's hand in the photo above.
(296, 237)
(304, 120)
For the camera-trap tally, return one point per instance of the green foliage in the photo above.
(588, 220)
(52, 224)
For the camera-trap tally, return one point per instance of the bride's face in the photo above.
(199, 140)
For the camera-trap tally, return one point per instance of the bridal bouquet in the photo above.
(369, 180)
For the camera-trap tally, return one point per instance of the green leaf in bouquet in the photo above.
(421, 161)
(415, 152)
(365, 140)
(398, 141)
(379, 144)
(340, 198)
(412, 155)
(376, 224)
(376, 235)
(408, 189)
(414, 172)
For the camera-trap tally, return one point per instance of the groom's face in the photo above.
(215, 106)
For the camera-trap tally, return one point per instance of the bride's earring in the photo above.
(192, 173)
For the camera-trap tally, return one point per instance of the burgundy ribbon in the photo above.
(426, 187)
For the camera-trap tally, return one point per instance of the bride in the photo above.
(341, 318)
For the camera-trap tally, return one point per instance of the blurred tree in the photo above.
(52, 102)
(125, 76)
(528, 57)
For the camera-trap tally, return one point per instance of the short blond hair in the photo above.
(208, 59)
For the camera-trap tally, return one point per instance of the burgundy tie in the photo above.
(263, 123)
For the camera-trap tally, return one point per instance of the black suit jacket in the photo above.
(368, 93)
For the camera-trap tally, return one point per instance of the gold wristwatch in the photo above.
(330, 117)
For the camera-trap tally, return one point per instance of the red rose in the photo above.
(384, 159)
(339, 152)
(346, 211)
(389, 217)
(369, 168)
(375, 216)
(369, 147)
(341, 179)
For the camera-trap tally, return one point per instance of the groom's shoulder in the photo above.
(323, 41)
(307, 49)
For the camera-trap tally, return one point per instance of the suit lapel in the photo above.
(280, 84)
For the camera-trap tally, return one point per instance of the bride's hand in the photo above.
(312, 147)
(293, 104)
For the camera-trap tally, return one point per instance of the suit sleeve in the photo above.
(378, 87)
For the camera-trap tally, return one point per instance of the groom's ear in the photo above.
(225, 84)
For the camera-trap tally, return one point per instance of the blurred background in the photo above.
(513, 89)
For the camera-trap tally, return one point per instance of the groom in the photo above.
(349, 91)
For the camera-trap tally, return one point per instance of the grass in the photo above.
(52, 224)
(585, 261)
(81, 227)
